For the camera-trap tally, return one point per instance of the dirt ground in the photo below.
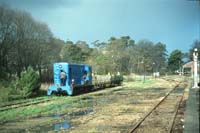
(161, 119)
(112, 110)
(178, 126)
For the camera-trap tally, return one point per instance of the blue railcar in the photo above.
(78, 78)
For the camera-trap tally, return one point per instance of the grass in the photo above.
(68, 104)
(59, 105)
(4, 90)
(7, 103)
(141, 84)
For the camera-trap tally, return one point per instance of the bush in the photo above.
(117, 79)
(26, 86)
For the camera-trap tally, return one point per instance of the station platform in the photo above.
(192, 112)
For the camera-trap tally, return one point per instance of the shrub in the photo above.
(25, 86)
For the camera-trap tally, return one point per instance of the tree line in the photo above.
(26, 42)
(124, 55)
(23, 42)
(177, 58)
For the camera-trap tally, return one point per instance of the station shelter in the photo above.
(188, 68)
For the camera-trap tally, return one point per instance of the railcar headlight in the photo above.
(73, 80)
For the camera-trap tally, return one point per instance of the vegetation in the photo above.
(124, 55)
(4, 90)
(175, 61)
(177, 58)
(64, 104)
(20, 36)
(26, 42)
(25, 86)
(196, 44)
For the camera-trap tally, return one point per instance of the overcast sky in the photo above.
(173, 22)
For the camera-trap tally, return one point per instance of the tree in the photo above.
(99, 45)
(71, 53)
(54, 50)
(159, 57)
(123, 55)
(150, 56)
(85, 49)
(175, 61)
(6, 39)
(112, 56)
(100, 62)
(40, 43)
(143, 53)
(118, 53)
(23, 42)
(25, 86)
(196, 44)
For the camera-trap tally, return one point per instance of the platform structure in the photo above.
(192, 112)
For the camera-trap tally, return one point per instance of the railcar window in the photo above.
(85, 73)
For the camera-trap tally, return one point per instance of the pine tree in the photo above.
(25, 86)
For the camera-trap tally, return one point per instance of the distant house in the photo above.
(188, 68)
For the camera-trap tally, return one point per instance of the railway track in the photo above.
(8, 106)
(162, 116)
(17, 104)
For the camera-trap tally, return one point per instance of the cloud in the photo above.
(40, 4)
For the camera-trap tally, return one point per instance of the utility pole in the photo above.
(144, 70)
(153, 74)
(196, 77)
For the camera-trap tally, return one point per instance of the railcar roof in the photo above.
(71, 63)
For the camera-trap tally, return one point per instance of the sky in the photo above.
(175, 23)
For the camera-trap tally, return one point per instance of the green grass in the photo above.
(59, 105)
(63, 104)
(146, 83)
(7, 103)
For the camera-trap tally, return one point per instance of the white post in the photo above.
(195, 58)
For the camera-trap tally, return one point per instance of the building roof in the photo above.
(189, 65)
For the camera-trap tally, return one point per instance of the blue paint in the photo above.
(74, 77)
